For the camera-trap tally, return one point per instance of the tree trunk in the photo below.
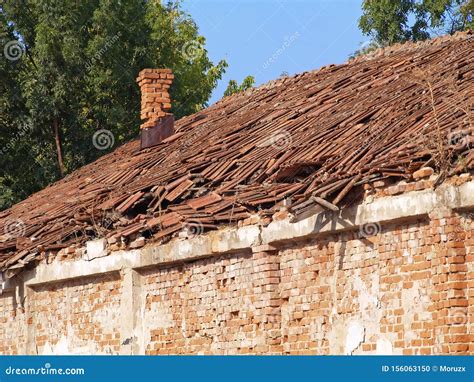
(59, 152)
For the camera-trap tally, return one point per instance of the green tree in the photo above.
(233, 87)
(68, 69)
(392, 21)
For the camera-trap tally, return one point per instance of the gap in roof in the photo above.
(265, 38)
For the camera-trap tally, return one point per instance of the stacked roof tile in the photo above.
(315, 136)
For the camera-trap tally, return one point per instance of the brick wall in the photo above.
(79, 316)
(402, 291)
(214, 306)
(12, 325)
(408, 289)
(384, 294)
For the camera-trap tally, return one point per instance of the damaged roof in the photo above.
(315, 137)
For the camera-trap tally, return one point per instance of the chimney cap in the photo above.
(148, 74)
(161, 70)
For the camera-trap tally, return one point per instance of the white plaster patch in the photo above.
(317, 331)
(156, 316)
(62, 347)
(408, 255)
(354, 337)
(161, 317)
(384, 347)
(367, 297)
(96, 248)
(68, 344)
(47, 349)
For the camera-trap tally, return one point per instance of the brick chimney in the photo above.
(158, 122)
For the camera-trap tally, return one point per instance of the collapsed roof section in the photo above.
(311, 138)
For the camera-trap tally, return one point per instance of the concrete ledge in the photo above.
(235, 240)
(227, 240)
(466, 195)
(60, 271)
(388, 209)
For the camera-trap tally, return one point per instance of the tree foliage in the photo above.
(68, 69)
(392, 21)
(233, 87)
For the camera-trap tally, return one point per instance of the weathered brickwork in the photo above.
(155, 99)
(214, 306)
(12, 325)
(78, 316)
(401, 292)
(405, 288)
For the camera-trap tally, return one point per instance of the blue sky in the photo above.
(264, 38)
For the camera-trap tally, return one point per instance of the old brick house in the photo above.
(301, 217)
